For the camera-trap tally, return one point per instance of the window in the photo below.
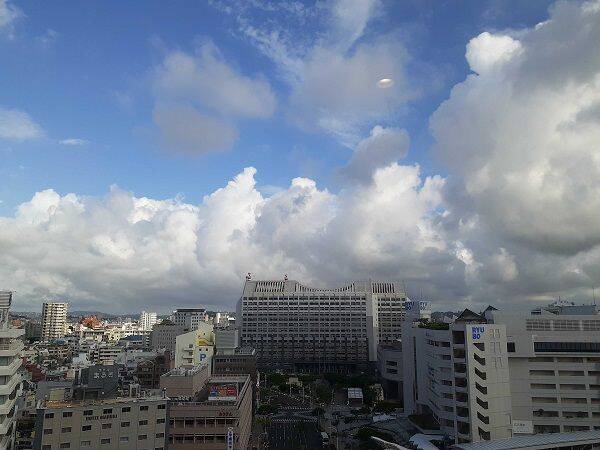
(106, 426)
(86, 443)
(571, 347)
(143, 422)
(88, 412)
(160, 420)
(125, 424)
(160, 435)
(142, 437)
(49, 416)
(144, 408)
(86, 428)
(162, 406)
(48, 431)
(65, 430)
(104, 441)
(46, 447)
(107, 411)
(510, 347)
(123, 439)
(65, 445)
(126, 409)
(68, 414)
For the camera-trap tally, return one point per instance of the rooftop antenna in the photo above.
(594, 294)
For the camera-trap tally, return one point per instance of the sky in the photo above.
(153, 153)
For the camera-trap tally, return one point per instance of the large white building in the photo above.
(499, 374)
(54, 320)
(10, 380)
(311, 329)
(147, 320)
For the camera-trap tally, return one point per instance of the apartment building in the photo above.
(208, 412)
(10, 380)
(554, 361)
(458, 374)
(116, 423)
(300, 328)
(147, 320)
(54, 320)
(189, 318)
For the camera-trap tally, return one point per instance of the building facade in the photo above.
(189, 318)
(118, 423)
(554, 360)
(308, 329)
(54, 320)
(195, 347)
(10, 380)
(210, 413)
(458, 373)
(147, 320)
(164, 336)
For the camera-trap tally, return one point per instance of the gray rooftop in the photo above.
(536, 442)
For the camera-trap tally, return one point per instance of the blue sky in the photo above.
(152, 153)
(82, 70)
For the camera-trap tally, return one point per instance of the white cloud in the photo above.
(18, 125)
(8, 13)
(184, 129)
(207, 79)
(122, 252)
(206, 95)
(74, 142)
(383, 147)
(349, 19)
(521, 142)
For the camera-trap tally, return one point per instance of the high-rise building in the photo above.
(147, 320)
(309, 329)
(54, 320)
(189, 318)
(500, 374)
(10, 380)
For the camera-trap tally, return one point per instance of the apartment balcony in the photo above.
(460, 368)
(462, 412)
(11, 368)
(6, 389)
(460, 383)
(12, 349)
(459, 353)
(462, 397)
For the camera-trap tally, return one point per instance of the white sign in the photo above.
(522, 426)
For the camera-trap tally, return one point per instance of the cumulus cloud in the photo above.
(184, 129)
(527, 154)
(125, 252)
(383, 147)
(206, 95)
(18, 125)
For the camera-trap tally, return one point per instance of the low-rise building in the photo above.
(216, 416)
(117, 423)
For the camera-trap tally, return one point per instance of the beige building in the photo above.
(195, 347)
(121, 423)
(10, 380)
(54, 320)
(310, 329)
(211, 413)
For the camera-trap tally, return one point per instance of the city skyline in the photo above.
(454, 149)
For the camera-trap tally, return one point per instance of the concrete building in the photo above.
(458, 374)
(54, 320)
(148, 372)
(195, 347)
(147, 320)
(10, 380)
(554, 361)
(236, 361)
(389, 366)
(582, 440)
(189, 318)
(117, 423)
(300, 328)
(227, 338)
(164, 336)
(210, 412)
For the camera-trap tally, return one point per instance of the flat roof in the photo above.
(536, 441)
